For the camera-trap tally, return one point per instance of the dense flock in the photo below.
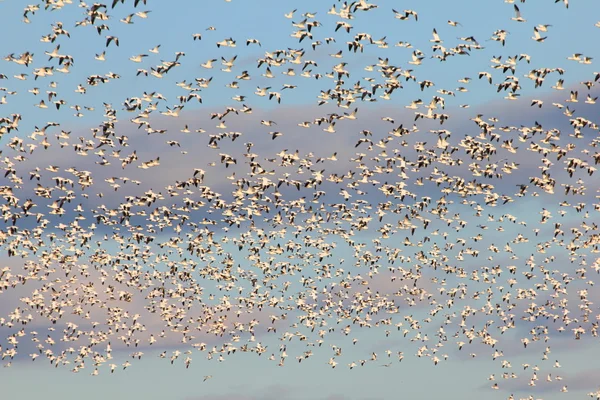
(302, 202)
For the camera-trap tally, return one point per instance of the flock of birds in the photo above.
(490, 232)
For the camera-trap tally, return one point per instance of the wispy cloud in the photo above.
(276, 392)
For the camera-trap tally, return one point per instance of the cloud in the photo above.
(177, 167)
(274, 392)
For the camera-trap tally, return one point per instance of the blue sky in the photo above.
(246, 376)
